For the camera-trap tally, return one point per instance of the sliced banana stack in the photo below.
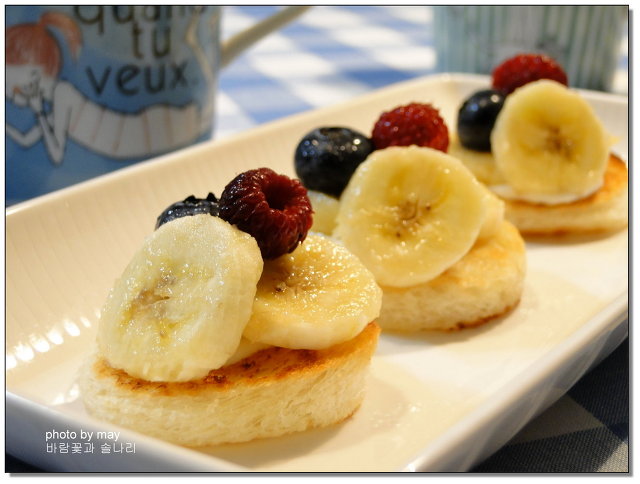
(410, 213)
(182, 304)
(548, 145)
(315, 297)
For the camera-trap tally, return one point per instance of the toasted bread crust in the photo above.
(272, 392)
(486, 283)
(605, 210)
(615, 178)
(268, 365)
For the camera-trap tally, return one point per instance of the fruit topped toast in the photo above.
(231, 323)
(433, 236)
(540, 146)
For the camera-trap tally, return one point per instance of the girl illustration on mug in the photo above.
(33, 62)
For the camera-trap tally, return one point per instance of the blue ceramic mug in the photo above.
(90, 89)
(584, 39)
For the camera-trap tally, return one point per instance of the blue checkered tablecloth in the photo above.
(329, 55)
(333, 53)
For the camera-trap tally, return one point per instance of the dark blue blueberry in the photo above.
(326, 158)
(189, 206)
(476, 118)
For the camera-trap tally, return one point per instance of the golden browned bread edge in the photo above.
(603, 211)
(273, 392)
(486, 283)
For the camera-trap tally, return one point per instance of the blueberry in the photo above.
(476, 118)
(326, 158)
(189, 206)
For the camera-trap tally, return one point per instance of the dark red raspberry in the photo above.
(273, 208)
(413, 124)
(524, 68)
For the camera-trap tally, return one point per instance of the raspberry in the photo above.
(273, 208)
(413, 124)
(524, 68)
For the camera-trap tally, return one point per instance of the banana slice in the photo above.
(325, 210)
(182, 303)
(549, 145)
(315, 297)
(493, 217)
(410, 213)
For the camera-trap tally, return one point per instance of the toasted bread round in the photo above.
(605, 210)
(486, 283)
(273, 392)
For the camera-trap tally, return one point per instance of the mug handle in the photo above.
(240, 41)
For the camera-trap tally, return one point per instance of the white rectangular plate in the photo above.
(435, 402)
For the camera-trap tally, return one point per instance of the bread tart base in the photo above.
(273, 392)
(487, 282)
(604, 211)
